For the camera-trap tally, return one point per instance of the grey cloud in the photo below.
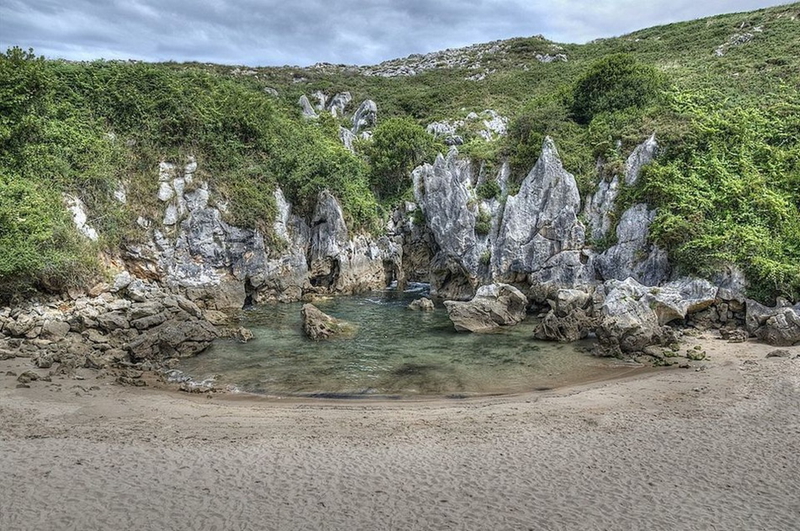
(264, 32)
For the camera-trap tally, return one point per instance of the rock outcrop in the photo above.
(365, 116)
(444, 193)
(779, 326)
(133, 321)
(633, 255)
(632, 316)
(494, 305)
(540, 235)
(317, 325)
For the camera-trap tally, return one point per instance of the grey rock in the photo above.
(540, 222)
(494, 305)
(633, 255)
(339, 103)
(424, 304)
(347, 137)
(150, 321)
(318, 325)
(445, 197)
(644, 154)
(305, 105)
(781, 329)
(779, 353)
(601, 205)
(365, 116)
(572, 326)
(112, 321)
(175, 338)
(734, 336)
(55, 329)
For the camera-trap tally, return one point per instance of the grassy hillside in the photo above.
(721, 94)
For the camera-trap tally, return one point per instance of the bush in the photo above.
(490, 189)
(398, 146)
(612, 84)
(730, 195)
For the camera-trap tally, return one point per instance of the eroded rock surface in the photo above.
(317, 325)
(493, 306)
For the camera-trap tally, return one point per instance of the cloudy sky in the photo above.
(303, 32)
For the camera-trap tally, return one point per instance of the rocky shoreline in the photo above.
(170, 294)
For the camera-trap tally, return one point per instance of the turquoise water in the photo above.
(396, 352)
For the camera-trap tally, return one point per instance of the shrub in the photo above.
(398, 146)
(490, 189)
(612, 84)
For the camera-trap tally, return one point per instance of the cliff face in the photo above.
(450, 237)
(220, 266)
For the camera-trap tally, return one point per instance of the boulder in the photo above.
(781, 329)
(175, 338)
(424, 304)
(318, 325)
(494, 305)
(54, 329)
(570, 327)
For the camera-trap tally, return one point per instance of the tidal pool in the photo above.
(395, 353)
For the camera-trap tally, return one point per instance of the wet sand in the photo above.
(712, 447)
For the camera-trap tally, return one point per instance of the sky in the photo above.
(304, 32)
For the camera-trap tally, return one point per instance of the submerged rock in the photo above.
(318, 325)
(493, 306)
(424, 304)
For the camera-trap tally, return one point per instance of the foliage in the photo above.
(489, 189)
(483, 222)
(614, 83)
(730, 193)
(398, 146)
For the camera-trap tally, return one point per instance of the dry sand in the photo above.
(717, 448)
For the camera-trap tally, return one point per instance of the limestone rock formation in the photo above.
(633, 255)
(139, 323)
(494, 305)
(632, 316)
(571, 317)
(307, 108)
(540, 228)
(779, 326)
(443, 192)
(365, 116)
(318, 325)
(344, 265)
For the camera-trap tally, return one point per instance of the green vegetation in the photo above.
(720, 93)
(612, 84)
(398, 146)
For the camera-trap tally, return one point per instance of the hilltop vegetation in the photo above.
(720, 93)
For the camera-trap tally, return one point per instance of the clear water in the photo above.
(396, 352)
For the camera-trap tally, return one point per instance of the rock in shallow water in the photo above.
(318, 325)
(424, 304)
(493, 306)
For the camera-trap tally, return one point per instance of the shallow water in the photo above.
(396, 352)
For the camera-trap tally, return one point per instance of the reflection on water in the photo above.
(396, 351)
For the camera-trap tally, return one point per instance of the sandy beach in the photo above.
(716, 446)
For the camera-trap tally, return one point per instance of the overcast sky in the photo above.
(303, 32)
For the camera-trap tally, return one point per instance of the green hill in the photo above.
(720, 93)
